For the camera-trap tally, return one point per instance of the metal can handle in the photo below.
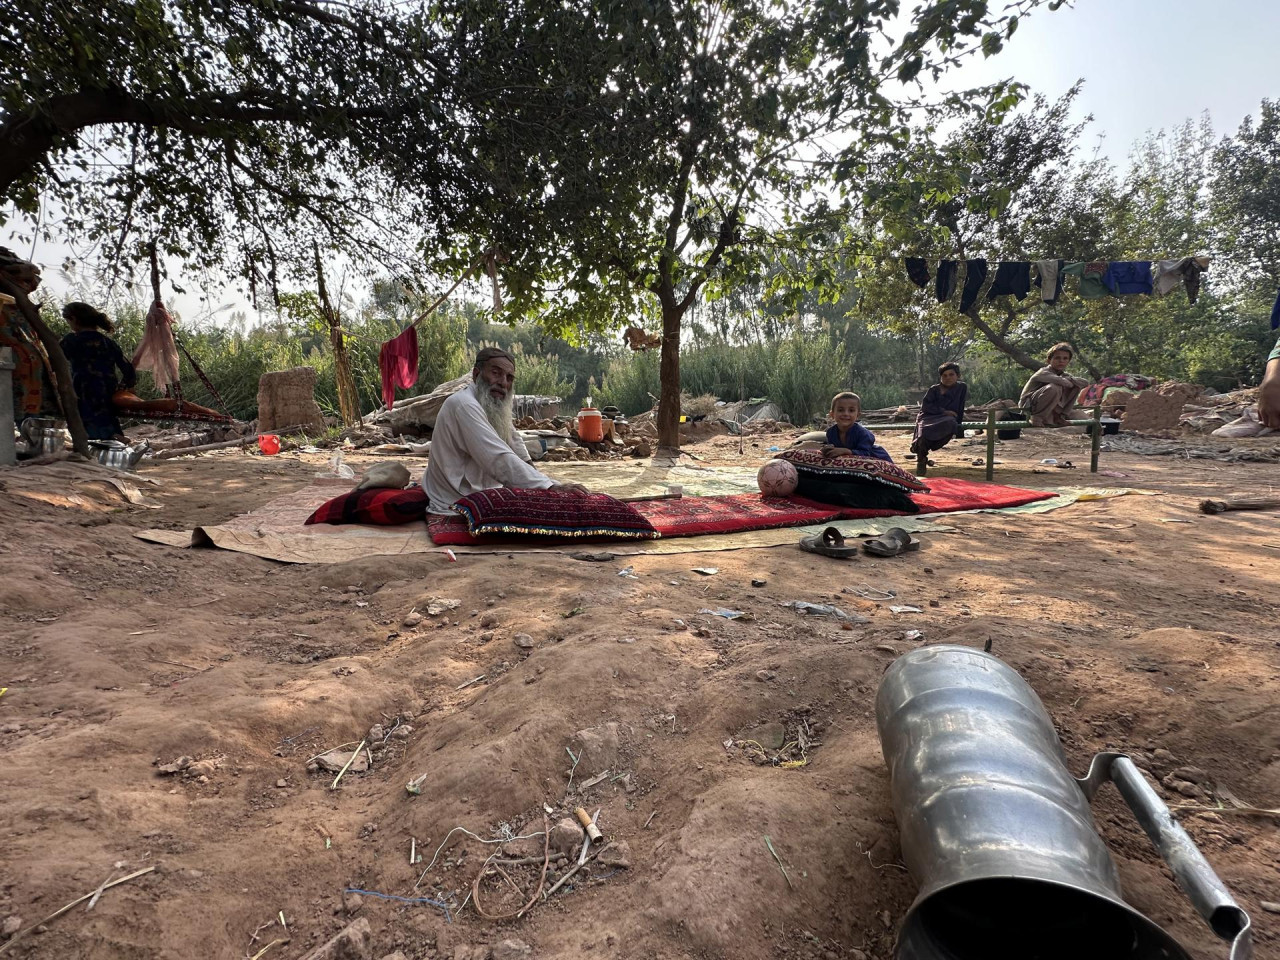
(1207, 893)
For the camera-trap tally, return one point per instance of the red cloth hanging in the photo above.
(398, 361)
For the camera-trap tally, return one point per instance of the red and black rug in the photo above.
(737, 513)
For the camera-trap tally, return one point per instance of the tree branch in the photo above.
(27, 138)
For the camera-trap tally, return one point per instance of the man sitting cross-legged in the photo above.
(475, 445)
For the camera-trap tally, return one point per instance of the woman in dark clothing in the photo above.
(95, 358)
(941, 411)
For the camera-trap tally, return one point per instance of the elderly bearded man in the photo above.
(475, 446)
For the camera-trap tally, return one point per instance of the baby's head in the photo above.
(846, 407)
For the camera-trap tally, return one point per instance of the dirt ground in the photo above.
(1158, 638)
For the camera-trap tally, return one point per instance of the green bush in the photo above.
(806, 374)
(630, 383)
(728, 371)
(993, 378)
(540, 376)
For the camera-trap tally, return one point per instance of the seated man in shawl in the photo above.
(475, 445)
(1051, 391)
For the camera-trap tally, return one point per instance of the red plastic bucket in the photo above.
(269, 444)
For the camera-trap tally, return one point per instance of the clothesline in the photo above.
(1098, 278)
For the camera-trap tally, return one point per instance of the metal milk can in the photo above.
(999, 834)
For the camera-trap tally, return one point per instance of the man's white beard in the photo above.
(497, 412)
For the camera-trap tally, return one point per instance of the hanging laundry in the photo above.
(918, 271)
(158, 353)
(945, 284)
(398, 362)
(1184, 269)
(1049, 279)
(1090, 273)
(1275, 313)
(975, 272)
(1126, 278)
(1012, 277)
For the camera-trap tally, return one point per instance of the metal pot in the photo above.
(44, 434)
(113, 453)
(999, 835)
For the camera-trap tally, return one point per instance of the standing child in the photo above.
(847, 437)
(94, 359)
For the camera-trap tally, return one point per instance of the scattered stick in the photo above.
(1239, 503)
(650, 820)
(97, 893)
(57, 913)
(350, 760)
(527, 836)
(330, 750)
(261, 953)
(470, 682)
(588, 784)
(542, 879)
(573, 870)
(575, 765)
(413, 850)
(769, 843)
(172, 663)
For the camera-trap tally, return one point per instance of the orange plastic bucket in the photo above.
(269, 444)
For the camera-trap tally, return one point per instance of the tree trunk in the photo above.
(669, 378)
(61, 369)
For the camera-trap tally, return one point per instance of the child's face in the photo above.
(1059, 361)
(845, 412)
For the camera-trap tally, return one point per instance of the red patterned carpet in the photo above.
(699, 516)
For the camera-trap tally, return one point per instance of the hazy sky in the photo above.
(1147, 65)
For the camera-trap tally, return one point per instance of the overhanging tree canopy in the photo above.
(716, 132)
(237, 132)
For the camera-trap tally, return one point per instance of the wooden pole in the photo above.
(58, 360)
(991, 444)
(348, 397)
(1097, 438)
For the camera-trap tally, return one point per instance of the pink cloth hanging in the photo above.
(398, 361)
(157, 352)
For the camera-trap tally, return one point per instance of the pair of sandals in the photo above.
(832, 543)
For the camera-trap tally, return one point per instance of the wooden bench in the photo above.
(991, 426)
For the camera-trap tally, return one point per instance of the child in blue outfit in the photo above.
(847, 437)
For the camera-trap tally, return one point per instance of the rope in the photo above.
(203, 379)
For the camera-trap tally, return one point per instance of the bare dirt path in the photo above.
(1158, 638)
